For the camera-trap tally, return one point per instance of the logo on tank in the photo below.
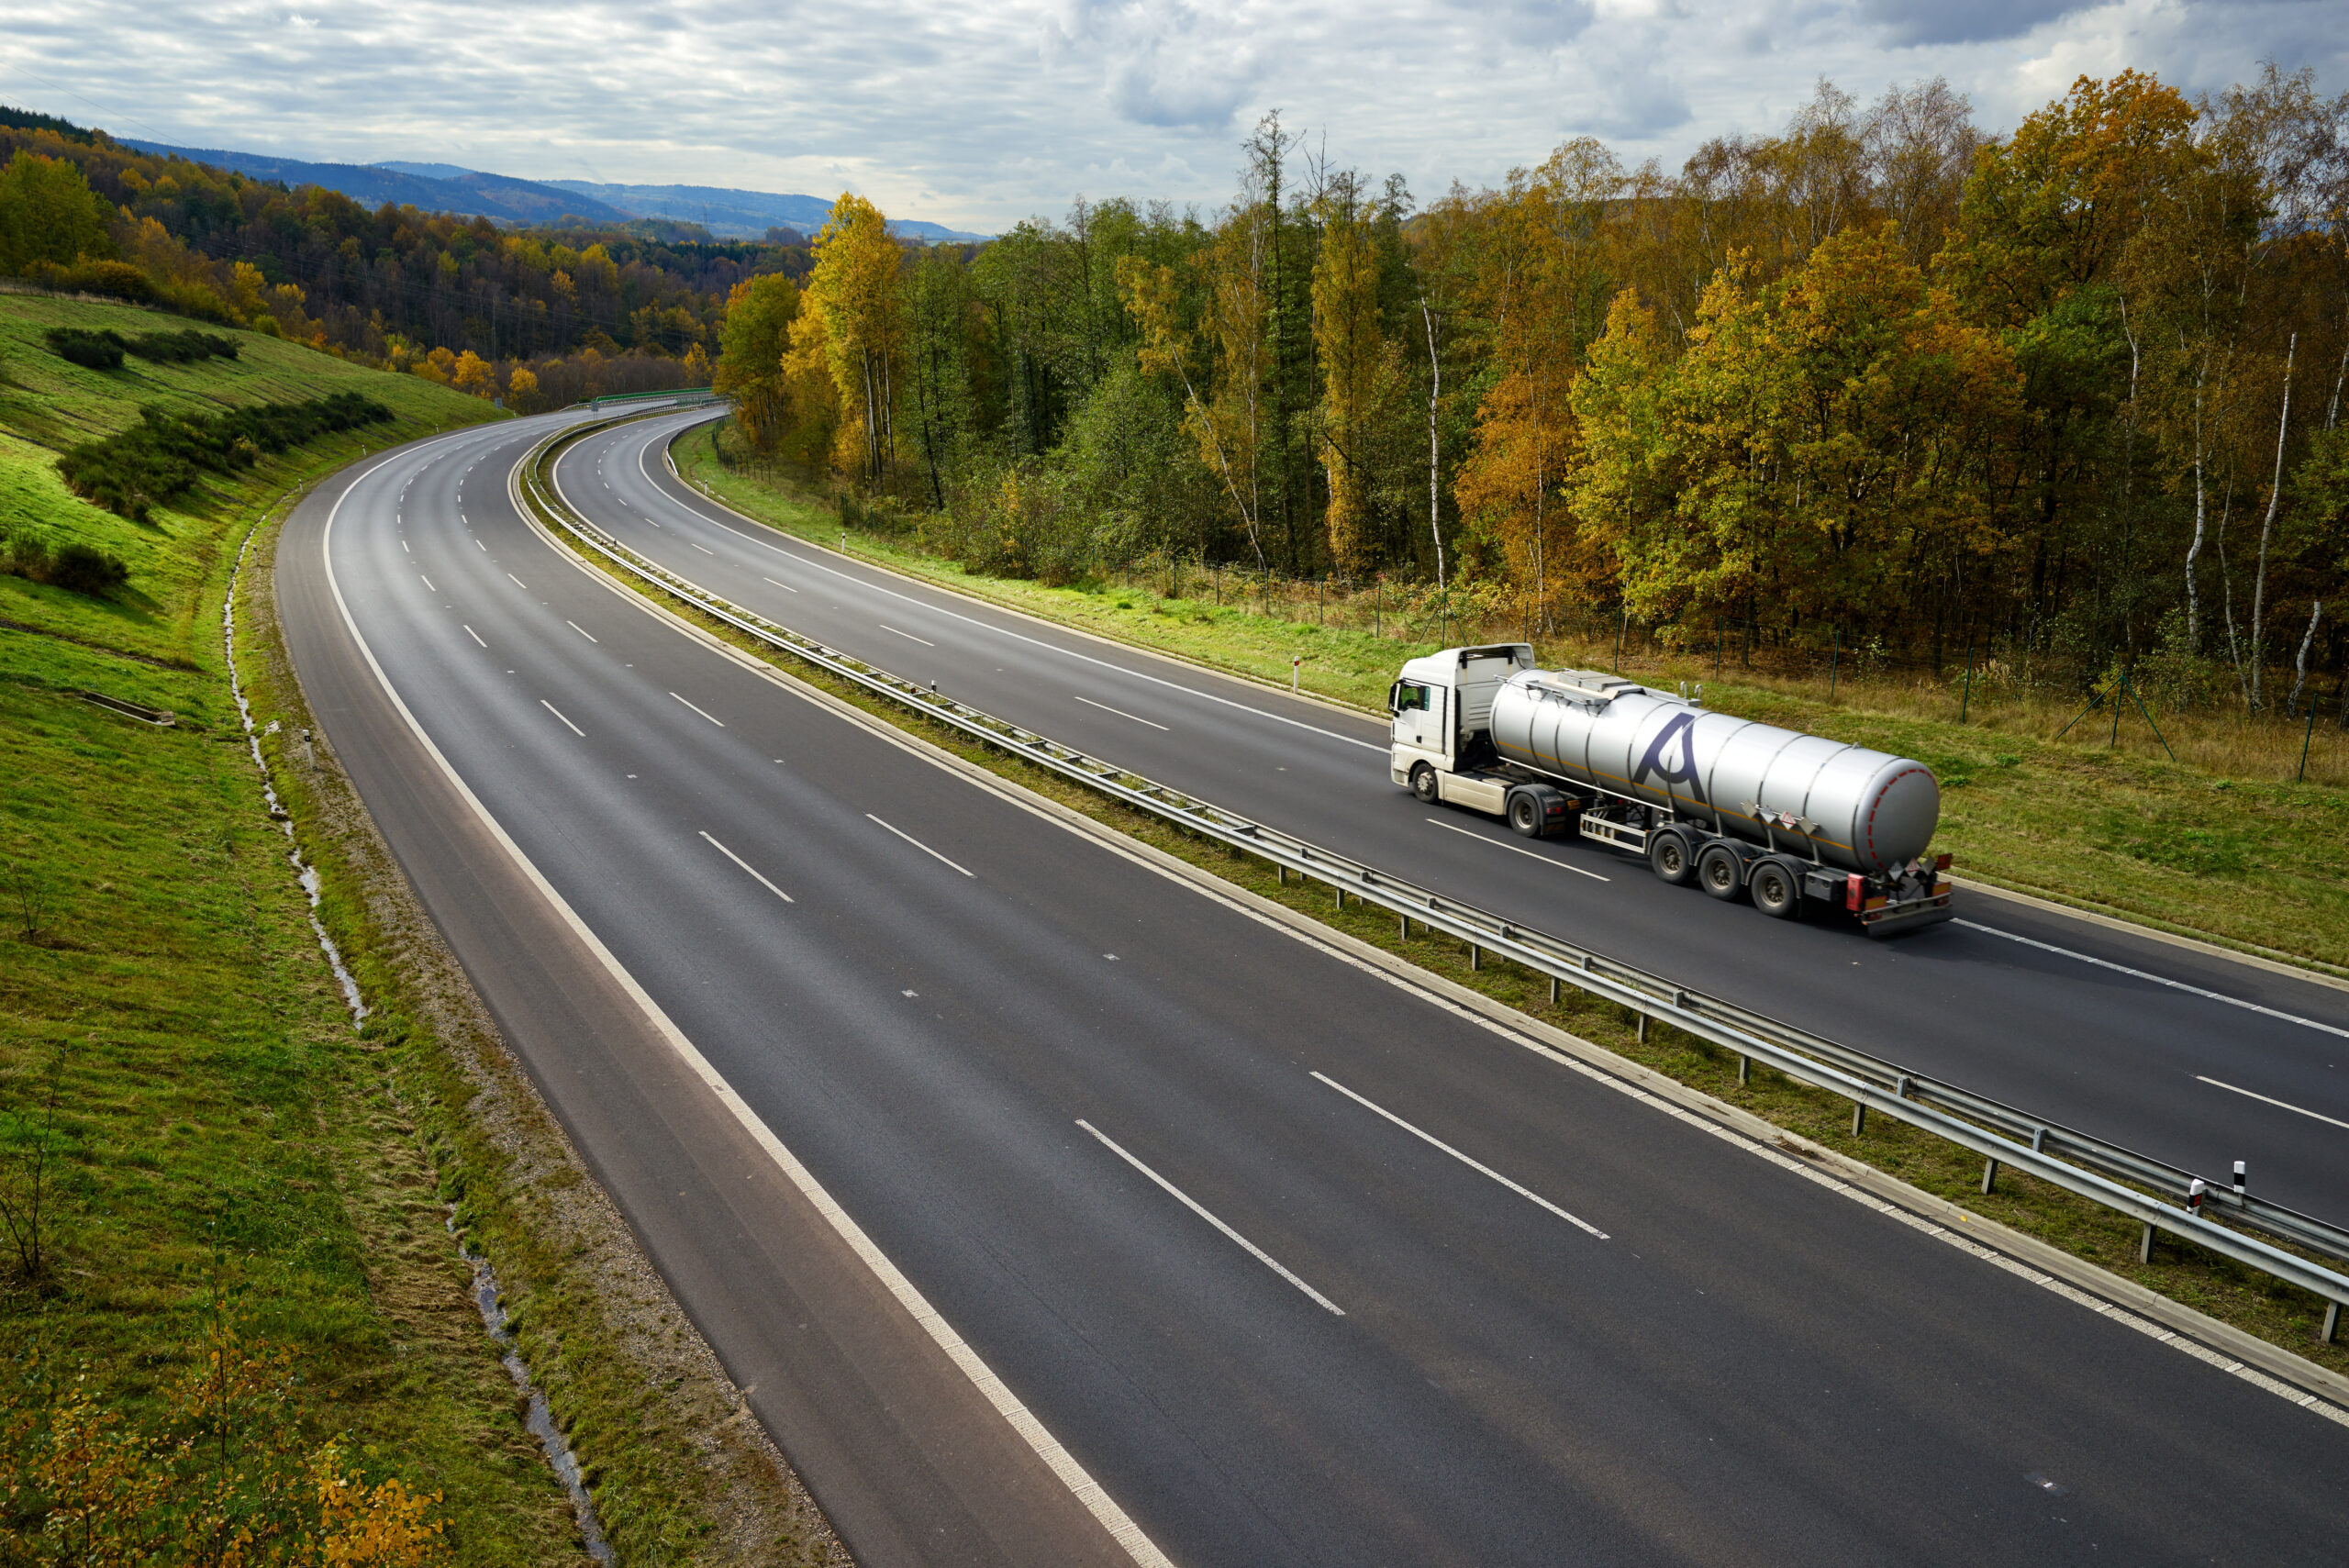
(1683, 771)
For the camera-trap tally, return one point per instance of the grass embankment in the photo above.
(2223, 845)
(222, 1123)
(2244, 1298)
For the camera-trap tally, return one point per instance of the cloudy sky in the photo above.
(976, 113)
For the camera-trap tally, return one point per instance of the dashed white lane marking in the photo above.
(1185, 1199)
(1525, 1193)
(2158, 979)
(702, 548)
(746, 865)
(484, 548)
(428, 582)
(917, 844)
(475, 636)
(517, 582)
(403, 549)
(719, 722)
(784, 586)
(566, 723)
(1122, 713)
(2283, 1105)
(1512, 849)
(908, 636)
(583, 631)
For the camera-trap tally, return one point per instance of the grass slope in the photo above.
(2239, 854)
(224, 1117)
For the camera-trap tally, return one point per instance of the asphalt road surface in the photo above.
(2029, 1007)
(1300, 1266)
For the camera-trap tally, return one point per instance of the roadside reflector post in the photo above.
(1989, 1176)
(1284, 871)
(2239, 1170)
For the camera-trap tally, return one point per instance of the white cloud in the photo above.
(978, 114)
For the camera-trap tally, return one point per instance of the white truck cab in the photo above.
(1443, 706)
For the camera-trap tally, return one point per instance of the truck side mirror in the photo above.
(1395, 698)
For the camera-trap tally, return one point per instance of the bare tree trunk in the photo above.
(2201, 512)
(1435, 391)
(2268, 528)
(2300, 666)
(2227, 596)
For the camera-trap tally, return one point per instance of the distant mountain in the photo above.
(445, 187)
(461, 191)
(734, 214)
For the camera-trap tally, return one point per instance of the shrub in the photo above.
(160, 456)
(84, 569)
(180, 348)
(94, 351)
(116, 280)
(75, 567)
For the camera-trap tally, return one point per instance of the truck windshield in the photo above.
(1410, 698)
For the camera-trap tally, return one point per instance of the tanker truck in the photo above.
(1742, 810)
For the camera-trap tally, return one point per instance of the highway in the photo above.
(1297, 1265)
(2196, 1059)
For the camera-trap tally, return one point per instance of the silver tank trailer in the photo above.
(1862, 810)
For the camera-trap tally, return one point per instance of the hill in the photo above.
(730, 213)
(463, 192)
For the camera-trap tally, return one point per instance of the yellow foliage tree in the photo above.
(1352, 351)
(472, 375)
(855, 306)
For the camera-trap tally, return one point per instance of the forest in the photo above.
(456, 300)
(1877, 380)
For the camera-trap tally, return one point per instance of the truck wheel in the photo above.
(1719, 874)
(1423, 783)
(1525, 813)
(1668, 858)
(1775, 891)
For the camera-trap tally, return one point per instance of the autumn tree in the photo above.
(753, 343)
(855, 294)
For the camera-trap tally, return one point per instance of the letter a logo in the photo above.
(1684, 770)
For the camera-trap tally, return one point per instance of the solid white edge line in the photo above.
(474, 635)
(2157, 979)
(1122, 713)
(2281, 1105)
(719, 722)
(1720, 1120)
(1526, 1193)
(582, 631)
(1063, 1464)
(566, 723)
(908, 636)
(989, 626)
(1512, 849)
(918, 844)
(746, 865)
(1188, 1202)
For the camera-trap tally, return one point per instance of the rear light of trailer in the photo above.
(1854, 888)
(1941, 861)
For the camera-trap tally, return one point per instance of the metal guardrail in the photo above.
(2002, 1134)
(683, 398)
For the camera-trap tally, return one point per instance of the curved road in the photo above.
(2058, 1028)
(1297, 1265)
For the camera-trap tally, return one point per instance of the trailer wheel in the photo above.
(1775, 892)
(1719, 873)
(1668, 857)
(1525, 813)
(1423, 783)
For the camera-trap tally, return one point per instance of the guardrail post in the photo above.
(1744, 1068)
(2332, 1320)
(1644, 1028)
(1859, 1118)
(1284, 871)
(1989, 1176)
(1403, 926)
(1341, 894)
(2146, 1244)
(1554, 990)
(1476, 957)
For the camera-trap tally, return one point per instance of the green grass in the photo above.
(2222, 846)
(224, 1117)
(2225, 1290)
